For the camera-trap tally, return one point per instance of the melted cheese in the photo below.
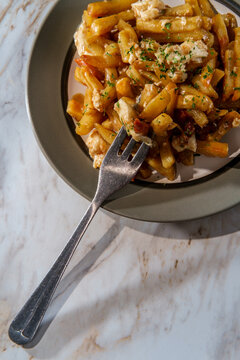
(148, 9)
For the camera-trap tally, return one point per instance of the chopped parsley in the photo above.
(130, 50)
(168, 25)
(237, 88)
(110, 84)
(233, 73)
(193, 103)
(104, 94)
(210, 70)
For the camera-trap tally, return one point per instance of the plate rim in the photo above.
(107, 206)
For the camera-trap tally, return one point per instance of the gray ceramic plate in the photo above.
(46, 101)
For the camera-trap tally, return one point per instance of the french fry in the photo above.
(199, 117)
(172, 103)
(107, 124)
(149, 75)
(79, 75)
(102, 62)
(105, 24)
(126, 46)
(103, 97)
(162, 78)
(148, 93)
(203, 81)
(230, 120)
(217, 76)
(107, 135)
(216, 114)
(206, 8)
(112, 49)
(91, 80)
(197, 34)
(207, 71)
(193, 99)
(123, 25)
(186, 157)
(176, 25)
(136, 78)
(236, 73)
(207, 23)
(162, 123)
(231, 23)
(123, 88)
(166, 153)
(75, 106)
(195, 7)
(158, 104)
(127, 39)
(87, 18)
(212, 148)
(156, 164)
(88, 104)
(220, 30)
(189, 101)
(181, 10)
(205, 89)
(103, 8)
(87, 122)
(228, 81)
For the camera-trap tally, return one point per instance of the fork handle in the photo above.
(25, 325)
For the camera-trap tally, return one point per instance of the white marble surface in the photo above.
(146, 291)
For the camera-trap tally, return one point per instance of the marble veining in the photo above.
(133, 290)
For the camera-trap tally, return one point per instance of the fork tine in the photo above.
(117, 143)
(140, 155)
(128, 149)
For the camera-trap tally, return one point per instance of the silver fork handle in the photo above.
(25, 325)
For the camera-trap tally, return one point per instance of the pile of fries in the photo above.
(170, 75)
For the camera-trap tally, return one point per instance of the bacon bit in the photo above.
(186, 123)
(140, 127)
(95, 72)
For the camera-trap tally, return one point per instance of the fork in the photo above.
(115, 172)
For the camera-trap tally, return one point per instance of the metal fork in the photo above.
(115, 172)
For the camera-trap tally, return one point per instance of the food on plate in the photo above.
(167, 74)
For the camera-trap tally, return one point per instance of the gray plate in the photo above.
(46, 101)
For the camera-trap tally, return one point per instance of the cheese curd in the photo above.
(177, 57)
(179, 144)
(97, 147)
(80, 40)
(127, 114)
(148, 9)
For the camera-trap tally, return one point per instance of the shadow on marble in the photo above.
(126, 299)
(71, 280)
(224, 223)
